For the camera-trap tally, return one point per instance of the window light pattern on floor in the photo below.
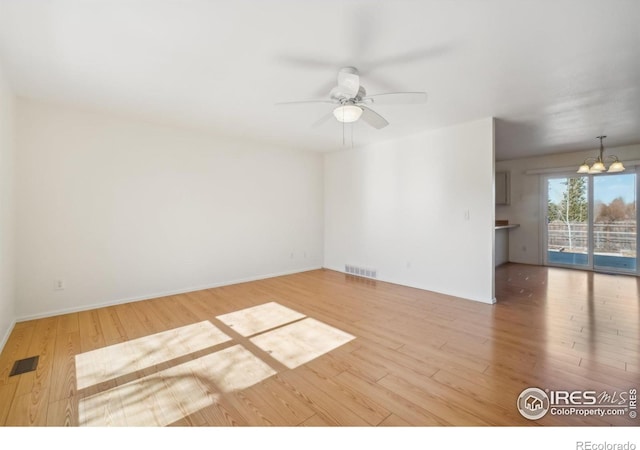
(161, 378)
(259, 318)
(118, 360)
(300, 342)
(166, 396)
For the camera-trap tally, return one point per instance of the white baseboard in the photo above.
(5, 338)
(158, 294)
(488, 301)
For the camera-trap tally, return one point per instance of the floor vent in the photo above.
(361, 271)
(24, 365)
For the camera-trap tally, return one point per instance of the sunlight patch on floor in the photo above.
(256, 319)
(171, 394)
(159, 379)
(300, 342)
(109, 363)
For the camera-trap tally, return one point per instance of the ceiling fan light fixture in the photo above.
(347, 113)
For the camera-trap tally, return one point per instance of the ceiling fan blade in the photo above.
(397, 98)
(301, 102)
(373, 118)
(349, 81)
(322, 120)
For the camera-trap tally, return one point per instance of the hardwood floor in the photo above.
(402, 356)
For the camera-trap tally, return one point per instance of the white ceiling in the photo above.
(555, 73)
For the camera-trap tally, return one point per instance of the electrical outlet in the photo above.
(58, 285)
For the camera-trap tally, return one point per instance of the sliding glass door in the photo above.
(615, 222)
(591, 222)
(568, 221)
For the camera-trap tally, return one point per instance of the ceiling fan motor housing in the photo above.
(338, 93)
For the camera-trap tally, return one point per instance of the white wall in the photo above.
(399, 207)
(525, 242)
(120, 209)
(7, 212)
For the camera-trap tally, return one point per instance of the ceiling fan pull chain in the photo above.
(343, 144)
(352, 135)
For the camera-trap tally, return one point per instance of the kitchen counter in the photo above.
(504, 227)
(501, 243)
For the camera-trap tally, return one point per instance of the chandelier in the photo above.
(597, 164)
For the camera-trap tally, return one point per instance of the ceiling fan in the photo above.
(352, 102)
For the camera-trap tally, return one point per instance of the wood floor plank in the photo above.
(443, 356)
(223, 414)
(289, 405)
(63, 413)
(316, 421)
(405, 408)
(328, 365)
(104, 408)
(330, 411)
(27, 410)
(256, 412)
(396, 362)
(488, 396)
(63, 371)
(178, 308)
(7, 394)
(91, 336)
(453, 413)
(394, 421)
(149, 318)
(364, 407)
(134, 327)
(32, 393)
(112, 329)
(418, 358)
(68, 323)
(162, 309)
(364, 369)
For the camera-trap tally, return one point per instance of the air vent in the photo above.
(24, 365)
(358, 271)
